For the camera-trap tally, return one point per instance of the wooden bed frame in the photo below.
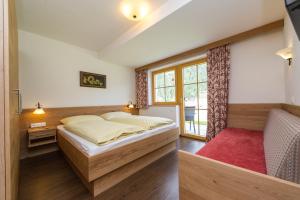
(203, 178)
(101, 172)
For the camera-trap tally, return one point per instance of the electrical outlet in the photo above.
(36, 125)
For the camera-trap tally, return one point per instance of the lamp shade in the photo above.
(135, 10)
(285, 53)
(39, 110)
(130, 105)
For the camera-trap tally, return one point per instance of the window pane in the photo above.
(202, 95)
(170, 94)
(191, 119)
(160, 95)
(190, 95)
(159, 80)
(170, 78)
(190, 75)
(202, 72)
(203, 100)
(202, 87)
(203, 122)
(203, 117)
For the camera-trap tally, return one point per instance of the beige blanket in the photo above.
(101, 131)
(145, 122)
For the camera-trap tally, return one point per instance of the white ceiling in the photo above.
(97, 24)
(91, 24)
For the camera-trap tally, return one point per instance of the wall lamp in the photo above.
(286, 54)
(39, 110)
(130, 105)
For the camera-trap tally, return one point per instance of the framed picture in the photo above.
(92, 80)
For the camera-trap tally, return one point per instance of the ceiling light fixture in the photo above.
(135, 10)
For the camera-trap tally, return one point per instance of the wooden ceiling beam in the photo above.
(229, 40)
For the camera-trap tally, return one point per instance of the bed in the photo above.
(102, 166)
(248, 165)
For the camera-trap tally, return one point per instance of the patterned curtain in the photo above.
(218, 67)
(141, 78)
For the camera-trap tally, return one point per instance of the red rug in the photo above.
(238, 147)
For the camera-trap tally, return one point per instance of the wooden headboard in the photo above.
(53, 116)
(293, 109)
(254, 116)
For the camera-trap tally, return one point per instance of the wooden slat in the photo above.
(293, 109)
(204, 178)
(108, 161)
(102, 184)
(249, 116)
(199, 50)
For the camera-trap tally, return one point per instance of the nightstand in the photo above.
(41, 136)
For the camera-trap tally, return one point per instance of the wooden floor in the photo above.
(50, 177)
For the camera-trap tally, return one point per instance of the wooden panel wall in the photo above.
(254, 116)
(53, 117)
(249, 116)
(295, 110)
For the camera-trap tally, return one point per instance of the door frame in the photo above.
(11, 98)
(2, 108)
(180, 97)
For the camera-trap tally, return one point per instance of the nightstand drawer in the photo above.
(42, 141)
(41, 136)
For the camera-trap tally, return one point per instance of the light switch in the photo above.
(36, 125)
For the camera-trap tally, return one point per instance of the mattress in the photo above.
(239, 147)
(92, 149)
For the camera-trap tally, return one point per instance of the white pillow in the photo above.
(80, 118)
(111, 115)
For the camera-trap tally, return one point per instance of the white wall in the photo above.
(171, 112)
(292, 74)
(257, 74)
(49, 73)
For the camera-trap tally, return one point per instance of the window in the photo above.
(195, 98)
(164, 86)
(185, 85)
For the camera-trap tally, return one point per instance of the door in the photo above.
(12, 107)
(194, 99)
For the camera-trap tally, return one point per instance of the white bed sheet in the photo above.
(92, 149)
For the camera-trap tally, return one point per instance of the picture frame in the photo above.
(92, 80)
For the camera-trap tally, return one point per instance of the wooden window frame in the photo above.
(178, 92)
(180, 96)
(164, 70)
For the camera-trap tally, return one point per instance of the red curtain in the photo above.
(218, 67)
(141, 89)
